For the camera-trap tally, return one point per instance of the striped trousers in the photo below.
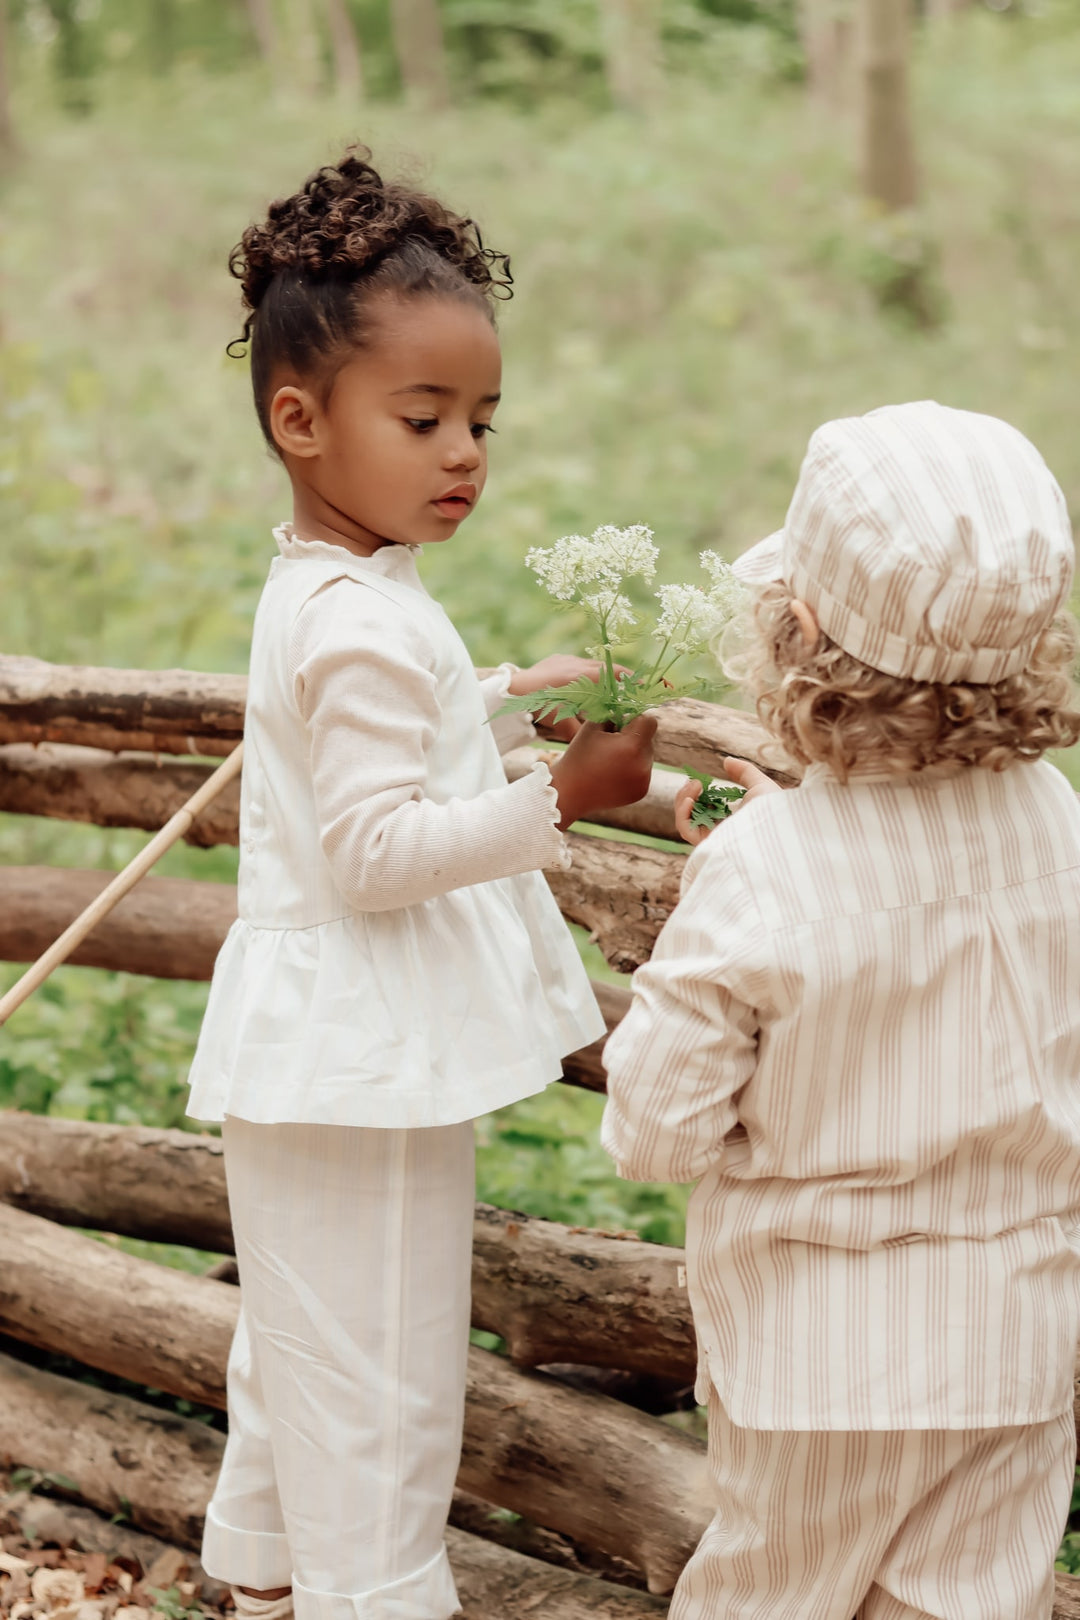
(346, 1382)
(935, 1524)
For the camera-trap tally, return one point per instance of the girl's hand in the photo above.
(739, 771)
(602, 769)
(558, 670)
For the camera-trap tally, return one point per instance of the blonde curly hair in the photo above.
(824, 706)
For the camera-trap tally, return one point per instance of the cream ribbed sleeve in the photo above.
(363, 675)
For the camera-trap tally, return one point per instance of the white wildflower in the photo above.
(625, 552)
(613, 611)
(564, 568)
(725, 589)
(689, 618)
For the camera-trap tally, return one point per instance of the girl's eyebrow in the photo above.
(438, 388)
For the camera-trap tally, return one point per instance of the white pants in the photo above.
(936, 1524)
(346, 1379)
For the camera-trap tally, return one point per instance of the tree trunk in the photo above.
(826, 28)
(161, 1468)
(421, 53)
(612, 1478)
(552, 1293)
(888, 151)
(263, 26)
(348, 71)
(181, 711)
(9, 145)
(631, 30)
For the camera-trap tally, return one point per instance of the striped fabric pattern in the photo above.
(931, 543)
(861, 1030)
(958, 1524)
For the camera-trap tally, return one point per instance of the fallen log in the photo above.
(141, 790)
(183, 711)
(554, 1294)
(622, 893)
(168, 702)
(168, 928)
(616, 1480)
(160, 1468)
(113, 790)
(172, 928)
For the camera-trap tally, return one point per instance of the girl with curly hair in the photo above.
(860, 1034)
(398, 966)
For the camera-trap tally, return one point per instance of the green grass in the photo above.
(695, 294)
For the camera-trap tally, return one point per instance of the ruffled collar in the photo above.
(393, 561)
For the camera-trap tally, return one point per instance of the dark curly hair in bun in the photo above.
(310, 271)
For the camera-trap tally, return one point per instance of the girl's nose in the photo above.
(463, 453)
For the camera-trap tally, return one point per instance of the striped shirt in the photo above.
(861, 1030)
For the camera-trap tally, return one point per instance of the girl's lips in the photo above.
(457, 501)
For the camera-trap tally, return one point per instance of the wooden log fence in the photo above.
(626, 1493)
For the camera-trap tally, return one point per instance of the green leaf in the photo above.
(715, 802)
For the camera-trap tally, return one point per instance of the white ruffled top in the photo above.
(398, 959)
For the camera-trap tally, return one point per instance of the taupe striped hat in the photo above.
(930, 543)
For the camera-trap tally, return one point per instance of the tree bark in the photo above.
(181, 711)
(888, 149)
(421, 53)
(162, 1468)
(172, 928)
(167, 928)
(614, 1479)
(631, 30)
(554, 1294)
(348, 69)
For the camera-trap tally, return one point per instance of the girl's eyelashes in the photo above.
(424, 424)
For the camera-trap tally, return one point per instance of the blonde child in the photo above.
(399, 965)
(860, 1035)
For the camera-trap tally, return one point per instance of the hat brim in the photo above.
(761, 564)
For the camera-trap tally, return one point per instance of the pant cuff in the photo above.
(255, 1558)
(427, 1594)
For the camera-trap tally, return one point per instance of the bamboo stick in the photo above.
(173, 830)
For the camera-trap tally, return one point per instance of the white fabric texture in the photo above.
(925, 1525)
(346, 1381)
(398, 959)
(931, 543)
(861, 1029)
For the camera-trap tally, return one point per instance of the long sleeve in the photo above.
(363, 676)
(689, 1042)
(510, 731)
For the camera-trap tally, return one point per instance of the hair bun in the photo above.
(344, 219)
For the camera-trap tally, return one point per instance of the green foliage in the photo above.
(172, 1605)
(715, 802)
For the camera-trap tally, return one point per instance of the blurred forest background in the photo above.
(729, 220)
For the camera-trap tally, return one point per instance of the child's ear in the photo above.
(807, 622)
(293, 414)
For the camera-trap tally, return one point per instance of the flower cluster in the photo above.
(593, 573)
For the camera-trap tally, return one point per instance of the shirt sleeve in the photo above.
(363, 677)
(510, 731)
(688, 1044)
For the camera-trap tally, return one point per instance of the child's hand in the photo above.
(739, 771)
(602, 769)
(558, 670)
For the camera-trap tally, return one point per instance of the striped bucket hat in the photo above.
(931, 543)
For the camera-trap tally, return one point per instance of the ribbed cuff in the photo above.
(558, 857)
